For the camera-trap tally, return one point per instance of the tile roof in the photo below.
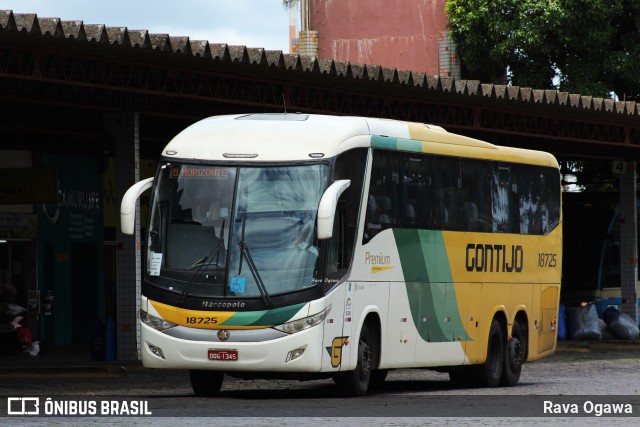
(122, 37)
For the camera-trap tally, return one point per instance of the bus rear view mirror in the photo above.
(128, 205)
(327, 208)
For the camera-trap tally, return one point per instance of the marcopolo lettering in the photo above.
(228, 304)
(484, 257)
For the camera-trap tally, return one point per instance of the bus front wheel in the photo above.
(206, 383)
(356, 382)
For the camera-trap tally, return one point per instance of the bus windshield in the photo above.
(219, 231)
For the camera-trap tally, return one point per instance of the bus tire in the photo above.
(515, 354)
(489, 373)
(356, 382)
(206, 383)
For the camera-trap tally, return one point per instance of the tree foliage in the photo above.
(591, 46)
(593, 176)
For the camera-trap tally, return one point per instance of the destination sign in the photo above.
(188, 171)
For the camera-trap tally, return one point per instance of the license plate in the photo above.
(223, 355)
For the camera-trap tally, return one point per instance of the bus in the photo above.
(591, 264)
(310, 246)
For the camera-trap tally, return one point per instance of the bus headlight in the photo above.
(302, 324)
(155, 322)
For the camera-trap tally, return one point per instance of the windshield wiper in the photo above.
(203, 263)
(244, 251)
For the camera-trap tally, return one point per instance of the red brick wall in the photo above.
(393, 33)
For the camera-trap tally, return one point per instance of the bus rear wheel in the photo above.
(206, 383)
(356, 382)
(489, 374)
(515, 354)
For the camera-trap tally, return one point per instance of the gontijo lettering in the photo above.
(494, 258)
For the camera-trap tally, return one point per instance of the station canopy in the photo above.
(57, 79)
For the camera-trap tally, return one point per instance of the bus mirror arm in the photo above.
(327, 208)
(128, 205)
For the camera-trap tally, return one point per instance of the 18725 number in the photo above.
(547, 260)
(202, 320)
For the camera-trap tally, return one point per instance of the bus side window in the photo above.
(349, 165)
(530, 203)
(416, 191)
(476, 195)
(539, 199)
(383, 208)
(448, 210)
(504, 197)
(337, 252)
(551, 198)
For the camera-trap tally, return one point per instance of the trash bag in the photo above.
(24, 336)
(562, 323)
(605, 331)
(582, 323)
(33, 349)
(622, 326)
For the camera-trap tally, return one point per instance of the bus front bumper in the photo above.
(299, 352)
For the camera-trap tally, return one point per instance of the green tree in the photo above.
(593, 176)
(590, 45)
(623, 62)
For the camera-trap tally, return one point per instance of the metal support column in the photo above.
(628, 242)
(124, 128)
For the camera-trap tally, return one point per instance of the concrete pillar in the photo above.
(124, 128)
(628, 241)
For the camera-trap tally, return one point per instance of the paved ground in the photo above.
(579, 372)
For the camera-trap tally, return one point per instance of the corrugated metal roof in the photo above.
(122, 37)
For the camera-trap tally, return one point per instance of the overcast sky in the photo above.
(252, 23)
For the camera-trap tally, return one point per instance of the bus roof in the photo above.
(300, 137)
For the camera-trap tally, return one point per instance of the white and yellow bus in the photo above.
(309, 246)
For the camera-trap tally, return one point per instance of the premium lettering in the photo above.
(370, 258)
(490, 258)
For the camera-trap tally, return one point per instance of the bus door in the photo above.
(548, 318)
(361, 300)
(335, 340)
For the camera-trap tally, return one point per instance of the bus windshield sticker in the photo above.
(237, 284)
(155, 261)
